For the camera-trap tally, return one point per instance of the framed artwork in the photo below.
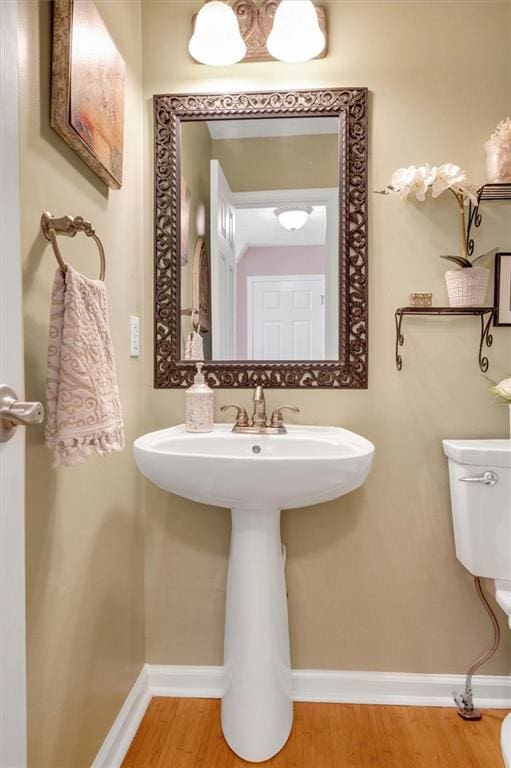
(186, 197)
(201, 299)
(87, 94)
(503, 289)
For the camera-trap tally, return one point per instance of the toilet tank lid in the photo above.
(484, 453)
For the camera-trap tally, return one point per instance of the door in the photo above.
(286, 317)
(12, 449)
(223, 265)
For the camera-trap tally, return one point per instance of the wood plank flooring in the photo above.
(185, 733)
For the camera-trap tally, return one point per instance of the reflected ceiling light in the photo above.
(293, 217)
(216, 39)
(296, 35)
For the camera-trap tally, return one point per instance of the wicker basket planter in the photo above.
(467, 287)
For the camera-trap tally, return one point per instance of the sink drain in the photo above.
(256, 449)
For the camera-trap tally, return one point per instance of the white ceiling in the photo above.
(285, 126)
(259, 227)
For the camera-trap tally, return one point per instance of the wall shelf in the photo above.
(487, 192)
(486, 314)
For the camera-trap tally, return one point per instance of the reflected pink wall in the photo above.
(283, 260)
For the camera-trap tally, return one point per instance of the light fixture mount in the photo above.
(255, 18)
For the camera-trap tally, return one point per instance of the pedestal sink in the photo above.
(256, 476)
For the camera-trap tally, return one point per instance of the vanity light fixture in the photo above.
(216, 39)
(293, 217)
(228, 31)
(296, 35)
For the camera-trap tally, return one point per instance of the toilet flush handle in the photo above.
(489, 478)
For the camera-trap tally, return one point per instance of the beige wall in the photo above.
(84, 527)
(373, 579)
(283, 162)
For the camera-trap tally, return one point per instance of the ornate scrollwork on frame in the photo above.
(350, 370)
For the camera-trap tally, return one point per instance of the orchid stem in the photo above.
(459, 198)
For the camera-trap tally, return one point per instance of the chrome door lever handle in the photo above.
(14, 413)
(21, 413)
(489, 478)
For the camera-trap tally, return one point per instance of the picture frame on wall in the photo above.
(201, 283)
(503, 289)
(87, 88)
(186, 198)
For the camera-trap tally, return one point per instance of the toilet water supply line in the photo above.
(464, 701)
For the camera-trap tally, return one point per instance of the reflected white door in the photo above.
(286, 317)
(223, 265)
(12, 453)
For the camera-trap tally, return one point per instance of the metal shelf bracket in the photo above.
(486, 315)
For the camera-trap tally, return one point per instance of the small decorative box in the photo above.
(421, 299)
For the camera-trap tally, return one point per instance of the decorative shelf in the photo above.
(486, 192)
(485, 339)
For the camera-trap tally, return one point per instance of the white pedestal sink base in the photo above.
(257, 710)
(306, 466)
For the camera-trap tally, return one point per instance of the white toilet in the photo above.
(480, 480)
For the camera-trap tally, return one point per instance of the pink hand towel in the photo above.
(84, 410)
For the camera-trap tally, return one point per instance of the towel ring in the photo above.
(68, 227)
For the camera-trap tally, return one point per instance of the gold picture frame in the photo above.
(502, 300)
(88, 84)
(201, 284)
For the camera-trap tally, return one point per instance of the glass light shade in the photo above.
(296, 35)
(216, 39)
(292, 218)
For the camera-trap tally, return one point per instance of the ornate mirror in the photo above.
(261, 238)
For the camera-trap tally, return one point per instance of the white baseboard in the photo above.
(120, 736)
(187, 682)
(406, 689)
(343, 687)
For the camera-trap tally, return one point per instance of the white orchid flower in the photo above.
(422, 180)
(438, 179)
(447, 176)
(503, 389)
(401, 180)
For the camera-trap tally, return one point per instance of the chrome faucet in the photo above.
(259, 424)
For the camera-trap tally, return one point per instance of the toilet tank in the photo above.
(481, 511)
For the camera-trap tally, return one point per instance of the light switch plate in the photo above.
(134, 336)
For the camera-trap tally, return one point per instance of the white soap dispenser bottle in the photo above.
(199, 405)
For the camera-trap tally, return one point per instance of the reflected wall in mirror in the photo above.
(266, 199)
(277, 201)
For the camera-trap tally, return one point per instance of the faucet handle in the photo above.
(276, 417)
(241, 414)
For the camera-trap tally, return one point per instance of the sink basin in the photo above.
(256, 476)
(306, 466)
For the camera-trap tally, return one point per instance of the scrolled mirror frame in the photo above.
(351, 106)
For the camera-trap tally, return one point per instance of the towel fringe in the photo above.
(71, 451)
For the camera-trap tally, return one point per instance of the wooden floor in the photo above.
(185, 733)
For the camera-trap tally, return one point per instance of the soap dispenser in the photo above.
(199, 404)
